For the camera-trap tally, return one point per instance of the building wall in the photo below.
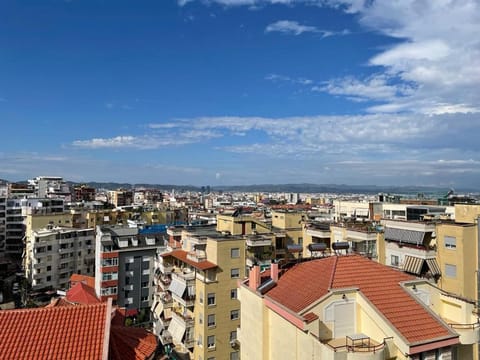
(466, 213)
(141, 263)
(254, 332)
(219, 251)
(464, 257)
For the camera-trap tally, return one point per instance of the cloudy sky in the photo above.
(232, 92)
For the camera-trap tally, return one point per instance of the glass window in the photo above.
(450, 270)
(234, 314)
(211, 299)
(394, 261)
(234, 355)
(211, 341)
(235, 252)
(450, 242)
(233, 294)
(211, 320)
(235, 273)
(233, 335)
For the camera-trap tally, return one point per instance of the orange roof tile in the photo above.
(379, 283)
(131, 343)
(87, 280)
(82, 294)
(63, 332)
(182, 255)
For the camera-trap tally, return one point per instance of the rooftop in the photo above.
(59, 332)
(182, 255)
(380, 284)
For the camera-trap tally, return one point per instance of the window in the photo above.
(234, 355)
(211, 341)
(200, 299)
(300, 241)
(144, 298)
(200, 340)
(200, 318)
(394, 260)
(233, 335)
(49, 268)
(144, 284)
(450, 271)
(211, 299)
(235, 252)
(233, 294)
(235, 273)
(211, 320)
(109, 276)
(450, 242)
(234, 314)
(49, 278)
(110, 262)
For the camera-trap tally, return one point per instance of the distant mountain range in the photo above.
(287, 188)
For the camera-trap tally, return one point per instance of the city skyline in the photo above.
(238, 92)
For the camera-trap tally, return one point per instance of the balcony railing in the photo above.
(469, 333)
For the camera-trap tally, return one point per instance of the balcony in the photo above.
(356, 347)
(255, 241)
(186, 319)
(184, 275)
(66, 241)
(469, 333)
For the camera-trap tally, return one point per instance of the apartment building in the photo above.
(410, 246)
(124, 260)
(3, 218)
(55, 253)
(196, 311)
(120, 197)
(83, 193)
(458, 258)
(350, 307)
(51, 187)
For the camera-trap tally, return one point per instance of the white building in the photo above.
(51, 187)
(55, 253)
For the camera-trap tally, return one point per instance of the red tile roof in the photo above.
(82, 294)
(131, 343)
(63, 332)
(182, 255)
(379, 283)
(87, 280)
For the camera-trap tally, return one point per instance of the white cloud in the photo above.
(295, 28)
(290, 27)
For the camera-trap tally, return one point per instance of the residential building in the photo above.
(120, 197)
(410, 246)
(196, 312)
(54, 254)
(124, 260)
(350, 307)
(3, 218)
(51, 187)
(83, 193)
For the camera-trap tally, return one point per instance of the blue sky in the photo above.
(232, 92)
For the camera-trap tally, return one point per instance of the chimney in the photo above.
(254, 278)
(274, 271)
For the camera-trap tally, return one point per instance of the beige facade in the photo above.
(196, 306)
(457, 254)
(344, 324)
(467, 213)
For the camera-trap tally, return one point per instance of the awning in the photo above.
(157, 308)
(177, 287)
(413, 264)
(433, 266)
(405, 236)
(361, 212)
(177, 329)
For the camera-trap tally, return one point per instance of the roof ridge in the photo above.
(332, 275)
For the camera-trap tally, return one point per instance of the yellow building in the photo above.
(196, 308)
(242, 224)
(350, 307)
(457, 255)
